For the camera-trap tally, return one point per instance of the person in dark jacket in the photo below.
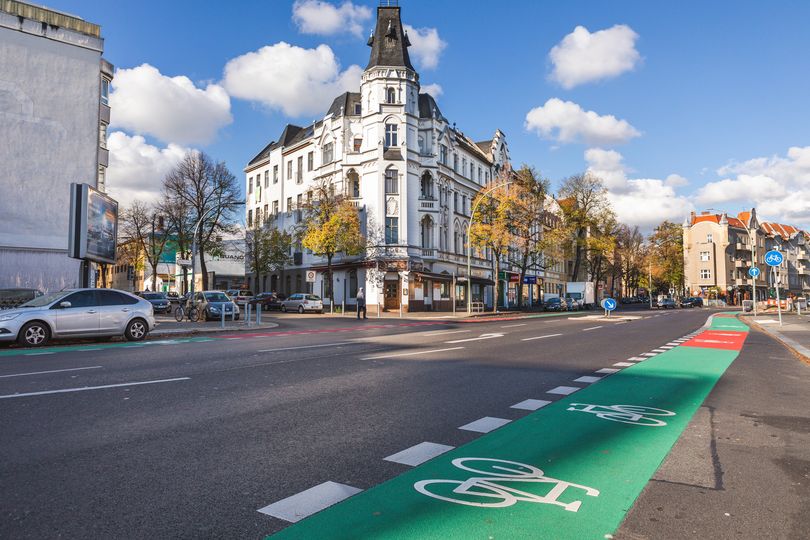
(361, 303)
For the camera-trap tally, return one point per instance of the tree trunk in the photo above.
(497, 264)
(329, 273)
(523, 268)
(578, 255)
(203, 269)
(184, 287)
(154, 274)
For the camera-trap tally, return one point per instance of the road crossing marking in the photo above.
(419, 453)
(530, 404)
(564, 390)
(485, 424)
(540, 337)
(310, 501)
(84, 388)
(49, 371)
(394, 355)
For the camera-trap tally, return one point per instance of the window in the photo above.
(250, 218)
(102, 176)
(258, 188)
(289, 204)
(390, 135)
(353, 284)
(704, 255)
(455, 162)
(289, 170)
(455, 201)
(391, 230)
(266, 212)
(353, 190)
(275, 174)
(105, 91)
(463, 204)
(426, 186)
(102, 135)
(390, 95)
(266, 179)
(328, 154)
(310, 161)
(479, 175)
(709, 238)
(358, 109)
(250, 185)
(299, 203)
(114, 298)
(391, 182)
(443, 154)
(275, 208)
(358, 143)
(464, 166)
(705, 273)
(299, 174)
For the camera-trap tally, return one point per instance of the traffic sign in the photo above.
(529, 280)
(774, 258)
(311, 276)
(609, 304)
(753, 272)
(183, 262)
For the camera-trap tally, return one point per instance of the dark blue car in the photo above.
(160, 302)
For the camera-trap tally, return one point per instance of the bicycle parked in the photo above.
(192, 313)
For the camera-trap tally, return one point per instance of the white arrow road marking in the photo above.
(482, 336)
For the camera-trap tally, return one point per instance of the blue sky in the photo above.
(715, 93)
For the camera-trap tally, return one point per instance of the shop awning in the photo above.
(476, 280)
(434, 276)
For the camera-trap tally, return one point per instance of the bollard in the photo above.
(223, 316)
(343, 308)
(258, 314)
(247, 314)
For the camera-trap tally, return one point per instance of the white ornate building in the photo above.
(411, 173)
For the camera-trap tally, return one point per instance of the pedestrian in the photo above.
(361, 303)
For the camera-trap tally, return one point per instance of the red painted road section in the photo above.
(718, 339)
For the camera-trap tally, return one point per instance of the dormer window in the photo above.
(390, 95)
(358, 109)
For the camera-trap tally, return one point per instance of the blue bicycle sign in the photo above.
(774, 258)
(753, 272)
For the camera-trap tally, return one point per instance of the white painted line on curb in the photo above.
(51, 371)
(38, 353)
(530, 404)
(83, 388)
(658, 350)
(673, 343)
(540, 337)
(624, 364)
(485, 424)
(306, 503)
(513, 325)
(394, 355)
(564, 390)
(666, 347)
(588, 379)
(418, 454)
(307, 347)
(608, 370)
(591, 328)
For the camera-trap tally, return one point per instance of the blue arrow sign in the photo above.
(774, 258)
(753, 272)
(609, 304)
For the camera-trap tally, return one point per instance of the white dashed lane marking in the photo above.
(530, 404)
(587, 379)
(396, 355)
(540, 337)
(485, 424)
(84, 388)
(636, 359)
(564, 390)
(50, 371)
(418, 454)
(306, 503)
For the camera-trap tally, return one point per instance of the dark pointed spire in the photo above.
(389, 43)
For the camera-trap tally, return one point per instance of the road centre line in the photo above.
(49, 371)
(540, 337)
(307, 347)
(591, 328)
(410, 353)
(479, 338)
(83, 388)
(513, 325)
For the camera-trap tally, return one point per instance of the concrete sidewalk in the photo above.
(170, 328)
(794, 333)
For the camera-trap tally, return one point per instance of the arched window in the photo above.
(353, 184)
(426, 186)
(390, 95)
(456, 238)
(464, 238)
(391, 181)
(426, 227)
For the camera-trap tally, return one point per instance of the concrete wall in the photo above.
(49, 109)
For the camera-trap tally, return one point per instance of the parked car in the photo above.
(554, 304)
(571, 304)
(240, 296)
(302, 302)
(666, 303)
(77, 313)
(174, 297)
(692, 301)
(11, 298)
(269, 300)
(158, 300)
(211, 304)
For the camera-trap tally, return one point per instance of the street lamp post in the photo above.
(469, 245)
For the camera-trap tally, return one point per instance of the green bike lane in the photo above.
(569, 470)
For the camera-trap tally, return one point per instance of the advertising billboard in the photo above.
(93, 225)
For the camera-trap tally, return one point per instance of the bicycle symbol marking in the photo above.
(627, 414)
(489, 485)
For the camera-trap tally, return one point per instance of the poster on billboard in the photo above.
(93, 225)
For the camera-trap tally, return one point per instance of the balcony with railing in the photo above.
(429, 204)
(429, 253)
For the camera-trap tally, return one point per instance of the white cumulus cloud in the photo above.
(326, 19)
(137, 169)
(426, 46)
(778, 186)
(292, 79)
(645, 202)
(434, 90)
(567, 122)
(172, 109)
(583, 57)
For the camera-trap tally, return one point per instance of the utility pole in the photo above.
(649, 283)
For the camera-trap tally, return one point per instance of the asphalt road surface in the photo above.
(190, 438)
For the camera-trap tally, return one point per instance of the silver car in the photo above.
(302, 302)
(77, 313)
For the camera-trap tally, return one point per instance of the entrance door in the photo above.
(391, 295)
(427, 292)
